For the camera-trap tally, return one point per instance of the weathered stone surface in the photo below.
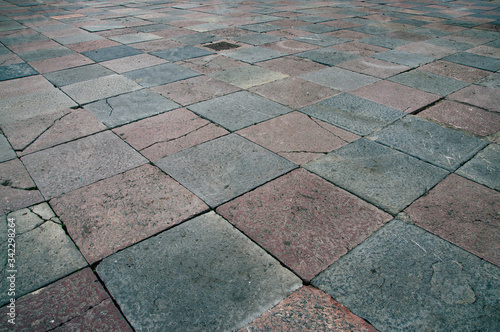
(429, 82)
(6, 151)
(405, 278)
(339, 79)
(182, 53)
(245, 77)
(74, 75)
(201, 275)
(484, 167)
(160, 74)
(111, 53)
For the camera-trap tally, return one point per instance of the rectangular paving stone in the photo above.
(429, 82)
(134, 38)
(480, 96)
(61, 169)
(238, 110)
(373, 67)
(201, 275)
(181, 53)
(6, 151)
(323, 40)
(111, 53)
(257, 39)
(304, 221)
(383, 176)
(327, 56)
(443, 147)
(406, 278)
(46, 53)
(196, 38)
(128, 107)
(455, 71)
(484, 167)
(352, 113)
(74, 75)
(224, 168)
(404, 58)
(475, 60)
(339, 79)
(16, 70)
(254, 54)
(246, 77)
(160, 74)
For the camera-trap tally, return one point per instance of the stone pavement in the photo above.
(260, 165)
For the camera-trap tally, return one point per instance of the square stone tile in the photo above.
(443, 147)
(44, 253)
(429, 82)
(434, 285)
(339, 79)
(464, 117)
(462, 212)
(480, 96)
(60, 169)
(322, 40)
(383, 176)
(288, 46)
(257, 39)
(224, 168)
(111, 53)
(238, 110)
(64, 62)
(77, 38)
(160, 74)
(16, 70)
(352, 113)
(491, 81)
(211, 63)
(475, 60)
(130, 63)
(383, 41)
(484, 167)
(260, 27)
(74, 302)
(245, 77)
(97, 217)
(292, 218)
(309, 309)
(360, 49)
(6, 151)
(128, 107)
(404, 58)
(195, 89)
(201, 275)
(449, 43)
(195, 38)
(79, 74)
(291, 65)
(92, 45)
(45, 53)
(373, 67)
(134, 38)
(401, 97)
(455, 71)
(254, 54)
(433, 51)
(327, 56)
(181, 53)
(99, 88)
(165, 134)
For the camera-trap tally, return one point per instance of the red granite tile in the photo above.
(130, 63)
(485, 50)
(92, 45)
(211, 63)
(480, 96)
(464, 213)
(294, 92)
(309, 309)
(288, 46)
(455, 71)
(361, 49)
(22, 86)
(399, 96)
(373, 67)
(38, 45)
(466, 117)
(64, 62)
(348, 34)
(156, 45)
(291, 65)
(112, 214)
(304, 221)
(426, 49)
(10, 59)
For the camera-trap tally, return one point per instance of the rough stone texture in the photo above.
(327, 56)
(291, 65)
(181, 53)
(238, 110)
(130, 63)
(355, 114)
(404, 58)
(111, 214)
(308, 309)
(111, 53)
(443, 147)
(74, 75)
(429, 82)
(224, 168)
(304, 221)
(484, 167)
(405, 278)
(464, 213)
(65, 62)
(202, 275)
(480, 96)
(77, 302)
(6, 151)
(160, 74)
(16, 70)
(475, 60)
(245, 77)
(43, 255)
(60, 169)
(383, 176)
(167, 133)
(339, 79)
(211, 63)
(455, 71)
(128, 107)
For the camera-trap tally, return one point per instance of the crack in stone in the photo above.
(321, 126)
(78, 316)
(8, 183)
(176, 138)
(107, 103)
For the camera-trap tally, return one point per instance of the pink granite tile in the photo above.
(485, 50)
(64, 62)
(130, 63)
(294, 92)
(348, 34)
(289, 33)
(304, 221)
(195, 89)
(480, 96)
(455, 71)
(361, 49)
(75, 303)
(22, 86)
(399, 96)
(171, 33)
(115, 213)
(309, 309)
(298, 137)
(211, 63)
(10, 59)
(288, 46)
(38, 45)
(17, 189)
(291, 65)
(156, 45)
(464, 213)
(466, 117)
(92, 45)
(373, 67)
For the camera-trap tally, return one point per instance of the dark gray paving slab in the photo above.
(429, 82)
(111, 53)
(406, 279)
(327, 56)
(160, 74)
(444, 147)
(44, 253)
(484, 168)
(45, 53)
(404, 58)
(239, 110)
(353, 113)
(6, 151)
(254, 54)
(16, 70)
(132, 106)
(383, 176)
(76, 164)
(203, 275)
(78, 74)
(475, 60)
(224, 168)
(181, 53)
(339, 79)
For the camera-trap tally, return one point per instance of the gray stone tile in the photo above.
(383, 176)
(404, 278)
(339, 79)
(22, 39)
(246, 77)
(45, 53)
(222, 169)
(239, 110)
(160, 74)
(77, 38)
(128, 107)
(76, 164)
(484, 168)
(429, 82)
(322, 40)
(16, 70)
(492, 81)
(78, 74)
(135, 38)
(181, 53)
(327, 56)
(203, 275)
(257, 39)
(353, 113)
(317, 28)
(111, 53)
(475, 60)
(6, 151)
(254, 54)
(404, 58)
(443, 147)
(453, 44)
(196, 38)
(372, 29)
(384, 41)
(260, 27)
(44, 253)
